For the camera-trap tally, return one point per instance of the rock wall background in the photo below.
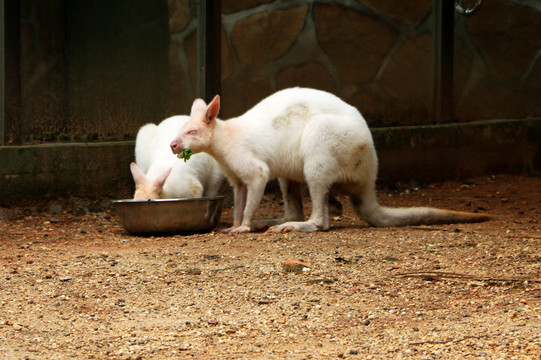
(96, 70)
(92, 70)
(377, 55)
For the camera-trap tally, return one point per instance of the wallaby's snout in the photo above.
(175, 147)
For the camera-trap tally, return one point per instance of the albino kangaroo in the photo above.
(159, 174)
(299, 135)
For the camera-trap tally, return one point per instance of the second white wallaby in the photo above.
(160, 174)
(299, 135)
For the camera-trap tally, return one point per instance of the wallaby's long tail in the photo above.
(381, 216)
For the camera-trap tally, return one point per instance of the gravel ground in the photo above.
(75, 285)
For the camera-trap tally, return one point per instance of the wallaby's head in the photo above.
(197, 133)
(146, 188)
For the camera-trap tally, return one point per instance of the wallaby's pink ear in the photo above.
(198, 105)
(213, 109)
(161, 179)
(137, 174)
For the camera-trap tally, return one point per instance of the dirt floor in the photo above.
(75, 285)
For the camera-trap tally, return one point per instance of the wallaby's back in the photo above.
(296, 127)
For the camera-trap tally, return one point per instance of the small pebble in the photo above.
(294, 265)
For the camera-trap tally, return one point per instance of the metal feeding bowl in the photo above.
(169, 216)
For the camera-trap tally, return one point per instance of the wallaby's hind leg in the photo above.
(319, 219)
(293, 211)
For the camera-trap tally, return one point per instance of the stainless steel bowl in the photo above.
(169, 216)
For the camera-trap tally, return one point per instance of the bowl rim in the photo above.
(172, 200)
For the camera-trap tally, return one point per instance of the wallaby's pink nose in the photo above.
(174, 147)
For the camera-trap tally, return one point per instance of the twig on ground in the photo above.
(451, 341)
(452, 275)
(511, 236)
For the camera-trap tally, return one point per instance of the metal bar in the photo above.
(209, 49)
(444, 16)
(2, 74)
(12, 73)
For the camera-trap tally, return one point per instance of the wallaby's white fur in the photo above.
(160, 174)
(299, 135)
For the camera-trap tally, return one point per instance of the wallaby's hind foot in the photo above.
(303, 226)
(236, 230)
(261, 225)
(293, 211)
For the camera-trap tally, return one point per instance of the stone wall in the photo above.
(100, 69)
(498, 61)
(377, 55)
(95, 70)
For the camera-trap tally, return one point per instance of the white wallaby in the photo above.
(160, 174)
(299, 135)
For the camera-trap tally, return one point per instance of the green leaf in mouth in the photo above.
(185, 154)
